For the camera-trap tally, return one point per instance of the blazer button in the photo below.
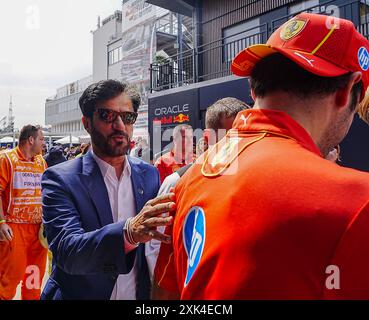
(109, 268)
(140, 191)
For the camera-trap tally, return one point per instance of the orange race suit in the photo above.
(23, 258)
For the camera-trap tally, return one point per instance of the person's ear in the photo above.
(253, 94)
(343, 95)
(31, 140)
(87, 124)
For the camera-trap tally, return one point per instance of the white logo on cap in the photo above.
(306, 59)
(363, 57)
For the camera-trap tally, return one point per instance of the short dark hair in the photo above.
(27, 131)
(227, 107)
(105, 90)
(278, 73)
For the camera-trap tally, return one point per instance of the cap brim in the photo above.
(245, 61)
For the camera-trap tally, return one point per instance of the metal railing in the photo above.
(213, 60)
(174, 71)
(169, 24)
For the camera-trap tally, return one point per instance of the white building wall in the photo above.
(114, 67)
(108, 32)
(62, 111)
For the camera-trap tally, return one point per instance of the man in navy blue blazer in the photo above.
(100, 209)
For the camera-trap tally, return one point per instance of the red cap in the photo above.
(323, 45)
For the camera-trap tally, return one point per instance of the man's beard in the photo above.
(336, 132)
(104, 144)
(35, 150)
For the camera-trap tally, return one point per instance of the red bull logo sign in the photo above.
(172, 115)
(172, 119)
(181, 118)
(164, 120)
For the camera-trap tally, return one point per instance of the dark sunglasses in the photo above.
(110, 116)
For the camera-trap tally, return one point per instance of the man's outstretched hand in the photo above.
(143, 226)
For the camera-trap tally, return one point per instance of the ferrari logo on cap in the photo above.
(292, 28)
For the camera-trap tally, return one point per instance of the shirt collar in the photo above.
(274, 121)
(105, 167)
(21, 156)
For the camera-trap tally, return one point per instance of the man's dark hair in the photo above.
(27, 131)
(278, 73)
(226, 107)
(105, 90)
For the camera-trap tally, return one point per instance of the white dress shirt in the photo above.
(152, 247)
(122, 205)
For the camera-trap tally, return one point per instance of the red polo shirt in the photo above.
(167, 164)
(266, 217)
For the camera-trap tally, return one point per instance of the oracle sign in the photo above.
(170, 110)
(163, 111)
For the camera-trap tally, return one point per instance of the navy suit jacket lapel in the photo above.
(94, 182)
(137, 185)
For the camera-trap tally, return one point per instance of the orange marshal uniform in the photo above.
(266, 217)
(167, 164)
(24, 258)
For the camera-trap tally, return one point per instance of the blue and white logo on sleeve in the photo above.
(194, 239)
(363, 56)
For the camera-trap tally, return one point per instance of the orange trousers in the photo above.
(22, 259)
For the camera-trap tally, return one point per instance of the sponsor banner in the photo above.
(27, 180)
(135, 12)
(25, 201)
(166, 112)
(136, 48)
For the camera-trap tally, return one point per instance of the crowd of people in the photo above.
(257, 209)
